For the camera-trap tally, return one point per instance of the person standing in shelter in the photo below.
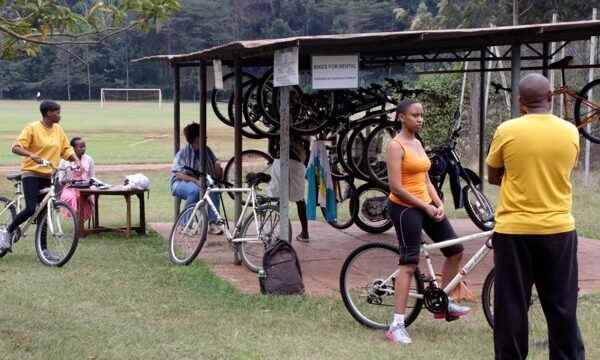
(414, 206)
(535, 242)
(39, 141)
(68, 194)
(298, 156)
(184, 185)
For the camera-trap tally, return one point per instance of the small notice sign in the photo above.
(334, 72)
(285, 67)
(218, 73)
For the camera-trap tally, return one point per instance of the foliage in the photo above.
(27, 25)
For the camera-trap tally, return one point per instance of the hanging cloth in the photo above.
(320, 184)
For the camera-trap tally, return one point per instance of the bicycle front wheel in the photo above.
(538, 331)
(57, 234)
(372, 209)
(346, 202)
(587, 111)
(188, 235)
(478, 208)
(262, 230)
(7, 212)
(367, 285)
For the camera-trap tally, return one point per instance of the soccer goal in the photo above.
(109, 95)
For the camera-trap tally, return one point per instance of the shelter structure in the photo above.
(378, 50)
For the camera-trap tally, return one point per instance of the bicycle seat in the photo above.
(257, 178)
(14, 177)
(562, 63)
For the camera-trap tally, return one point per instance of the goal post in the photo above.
(135, 95)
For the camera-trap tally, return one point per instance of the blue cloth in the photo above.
(320, 184)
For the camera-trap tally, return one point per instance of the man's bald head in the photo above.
(534, 90)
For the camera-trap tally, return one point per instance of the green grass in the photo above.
(123, 299)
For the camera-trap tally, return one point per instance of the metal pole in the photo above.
(176, 125)
(202, 119)
(515, 77)
(237, 135)
(284, 161)
(483, 94)
(593, 45)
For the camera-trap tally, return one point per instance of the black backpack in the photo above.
(282, 269)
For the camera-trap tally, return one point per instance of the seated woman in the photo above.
(70, 195)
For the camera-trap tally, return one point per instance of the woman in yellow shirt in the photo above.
(40, 140)
(414, 206)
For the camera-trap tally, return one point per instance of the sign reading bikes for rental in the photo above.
(334, 72)
(285, 67)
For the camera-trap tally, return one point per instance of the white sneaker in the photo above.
(5, 240)
(214, 229)
(453, 310)
(398, 335)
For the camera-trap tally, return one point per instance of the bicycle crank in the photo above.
(435, 300)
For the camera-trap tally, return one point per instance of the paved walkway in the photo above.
(323, 256)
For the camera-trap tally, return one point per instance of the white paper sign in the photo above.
(285, 67)
(218, 71)
(334, 72)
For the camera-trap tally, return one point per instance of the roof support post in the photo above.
(176, 125)
(202, 119)
(483, 95)
(545, 58)
(237, 135)
(284, 161)
(515, 64)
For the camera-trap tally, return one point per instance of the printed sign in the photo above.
(285, 67)
(334, 72)
(218, 72)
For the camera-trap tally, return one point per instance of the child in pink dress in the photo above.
(70, 195)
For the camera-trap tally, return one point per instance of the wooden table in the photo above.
(115, 190)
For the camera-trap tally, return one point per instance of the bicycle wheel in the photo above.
(265, 229)
(478, 208)
(587, 111)
(254, 116)
(367, 286)
(346, 201)
(356, 149)
(7, 212)
(220, 98)
(372, 209)
(57, 234)
(376, 145)
(188, 234)
(253, 161)
(538, 331)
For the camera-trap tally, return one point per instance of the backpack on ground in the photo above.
(282, 269)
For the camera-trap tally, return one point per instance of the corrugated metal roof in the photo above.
(393, 43)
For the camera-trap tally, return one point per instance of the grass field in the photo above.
(123, 299)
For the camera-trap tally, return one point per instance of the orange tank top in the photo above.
(414, 169)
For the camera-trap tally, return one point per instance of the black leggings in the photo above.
(409, 222)
(31, 189)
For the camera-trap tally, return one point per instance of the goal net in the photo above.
(109, 95)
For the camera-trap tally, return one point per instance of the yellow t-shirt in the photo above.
(414, 169)
(538, 152)
(50, 144)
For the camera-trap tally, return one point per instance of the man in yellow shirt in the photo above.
(535, 242)
(39, 140)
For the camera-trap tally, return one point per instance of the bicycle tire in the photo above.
(58, 248)
(589, 113)
(188, 234)
(255, 117)
(538, 331)
(346, 201)
(376, 145)
(253, 161)
(372, 209)
(363, 272)
(252, 252)
(8, 212)
(478, 208)
(221, 98)
(356, 147)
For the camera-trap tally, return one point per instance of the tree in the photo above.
(26, 26)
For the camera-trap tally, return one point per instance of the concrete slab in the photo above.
(323, 256)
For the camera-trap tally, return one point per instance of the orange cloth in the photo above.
(414, 169)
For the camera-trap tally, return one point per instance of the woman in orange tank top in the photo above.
(414, 206)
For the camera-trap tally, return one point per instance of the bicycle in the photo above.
(368, 276)
(248, 238)
(586, 110)
(52, 217)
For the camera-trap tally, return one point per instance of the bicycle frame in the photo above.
(565, 92)
(46, 203)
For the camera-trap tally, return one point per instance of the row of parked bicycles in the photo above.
(357, 125)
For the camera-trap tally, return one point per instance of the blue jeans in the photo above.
(191, 192)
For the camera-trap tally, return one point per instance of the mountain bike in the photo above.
(57, 232)
(368, 276)
(249, 237)
(586, 110)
